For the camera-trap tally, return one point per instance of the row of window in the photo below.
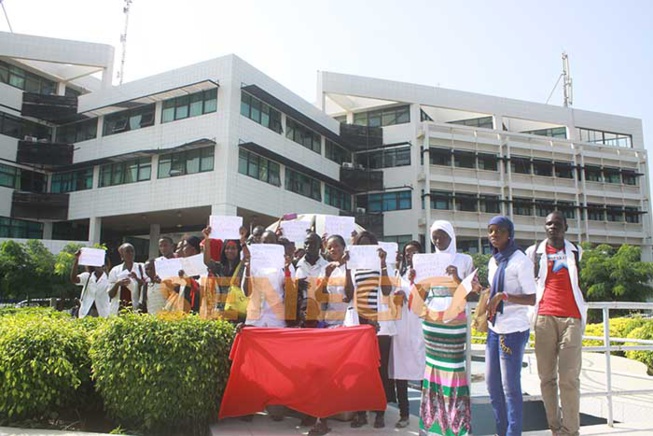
(386, 201)
(442, 200)
(22, 79)
(72, 181)
(303, 185)
(555, 132)
(303, 135)
(336, 153)
(187, 106)
(384, 158)
(606, 138)
(19, 128)
(13, 228)
(383, 117)
(463, 159)
(258, 167)
(22, 180)
(77, 132)
(260, 112)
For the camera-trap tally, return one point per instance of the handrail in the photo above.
(606, 348)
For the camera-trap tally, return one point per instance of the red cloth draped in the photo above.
(320, 372)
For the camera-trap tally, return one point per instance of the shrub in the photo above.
(619, 328)
(162, 375)
(44, 364)
(645, 331)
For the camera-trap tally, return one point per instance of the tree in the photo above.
(14, 270)
(615, 275)
(480, 262)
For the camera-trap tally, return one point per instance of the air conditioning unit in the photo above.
(361, 210)
(347, 165)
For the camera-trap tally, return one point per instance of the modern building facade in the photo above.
(83, 160)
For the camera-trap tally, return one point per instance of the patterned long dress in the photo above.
(445, 407)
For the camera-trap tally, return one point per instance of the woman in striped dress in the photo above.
(445, 407)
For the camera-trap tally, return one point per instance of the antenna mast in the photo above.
(567, 88)
(123, 40)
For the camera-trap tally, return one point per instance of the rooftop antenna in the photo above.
(567, 89)
(6, 16)
(123, 40)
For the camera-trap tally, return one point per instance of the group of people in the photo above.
(315, 288)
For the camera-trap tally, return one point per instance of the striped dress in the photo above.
(445, 407)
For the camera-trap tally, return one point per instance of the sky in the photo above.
(507, 48)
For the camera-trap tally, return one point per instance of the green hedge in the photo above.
(44, 364)
(644, 331)
(162, 376)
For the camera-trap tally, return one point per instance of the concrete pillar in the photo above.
(47, 230)
(155, 234)
(95, 229)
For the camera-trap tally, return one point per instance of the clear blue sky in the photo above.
(508, 48)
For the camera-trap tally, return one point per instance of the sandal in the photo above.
(319, 429)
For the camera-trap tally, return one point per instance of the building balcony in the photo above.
(44, 153)
(361, 180)
(47, 206)
(360, 138)
(53, 108)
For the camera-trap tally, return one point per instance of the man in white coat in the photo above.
(94, 300)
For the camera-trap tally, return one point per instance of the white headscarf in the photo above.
(446, 227)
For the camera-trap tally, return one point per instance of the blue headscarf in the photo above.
(502, 257)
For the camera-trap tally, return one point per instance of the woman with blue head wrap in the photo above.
(512, 290)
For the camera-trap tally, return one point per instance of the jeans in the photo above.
(503, 360)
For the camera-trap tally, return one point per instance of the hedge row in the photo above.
(155, 375)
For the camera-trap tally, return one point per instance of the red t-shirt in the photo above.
(558, 298)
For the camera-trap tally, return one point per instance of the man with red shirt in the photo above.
(559, 316)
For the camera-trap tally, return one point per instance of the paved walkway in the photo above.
(633, 414)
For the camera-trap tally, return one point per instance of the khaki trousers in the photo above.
(558, 349)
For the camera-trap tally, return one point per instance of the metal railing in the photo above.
(623, 344)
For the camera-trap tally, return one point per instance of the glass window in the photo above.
(543, 168)
(131, 171)
(303, 135)
(336, 153)
(595, 212)
(568, 208)
(490, 204)
(593, 174)
(20, 128)
(303, 185)
(556, 132)
(484, 122)
(466, 202)
(387, 201)
(77, 132)
(191, 105)
(337, 198)
(632, 215)
(605, 138)
(260, 112)
(131, 119)
(487, 161)
(441, 200)
(383, 117)
(520, 165)
(544, 208)
(564, 170)
(13, 228)
(612, 175)
(185, 162)
(440, 156)
(615, 214)
(249, 164)
(384, 158)
(464, 159)
(522, 206)
(629, 177)
(25, 80)
(72, 181)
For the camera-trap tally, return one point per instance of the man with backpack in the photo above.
(559, 317)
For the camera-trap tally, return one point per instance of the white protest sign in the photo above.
(430, 265)
(167, 268)
(295, 231)
(391, 249)
(339, 225)
(194, 265)
(267, 256)
(92, 256)
(225, 227)
(363, 257)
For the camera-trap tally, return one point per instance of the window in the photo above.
(484, 122)
(337, 198)
(77, 132)
(131, 171)
(22, 79)
(568, 208)
(556, 132)
(20, 128)
(520, 165)
(258, 167)
(467, 246)
(441, 200)
(564, 170)
(487, 162)
(632, 215)
(192, 105)
(605, 138)
(612, 175)
(389, 201)
(181, 163)
(489, 204)
(543, 168)
(522, 206)
(465, 202)
(629, 177)
(383, 117)
(131, 119)
(335, 152)
(341, 119)
(13, 228)
(303, 185)
(593, 174)
(544, 208)
(254, 109)
(440, 156)
(595, 212)
(71, 92)
(21, 179)
(464, 159)
(303, 135)
(72, 181)
(614, 214)
(385, 158)
(423, 116)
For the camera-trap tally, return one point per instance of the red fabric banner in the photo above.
(320, 372)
